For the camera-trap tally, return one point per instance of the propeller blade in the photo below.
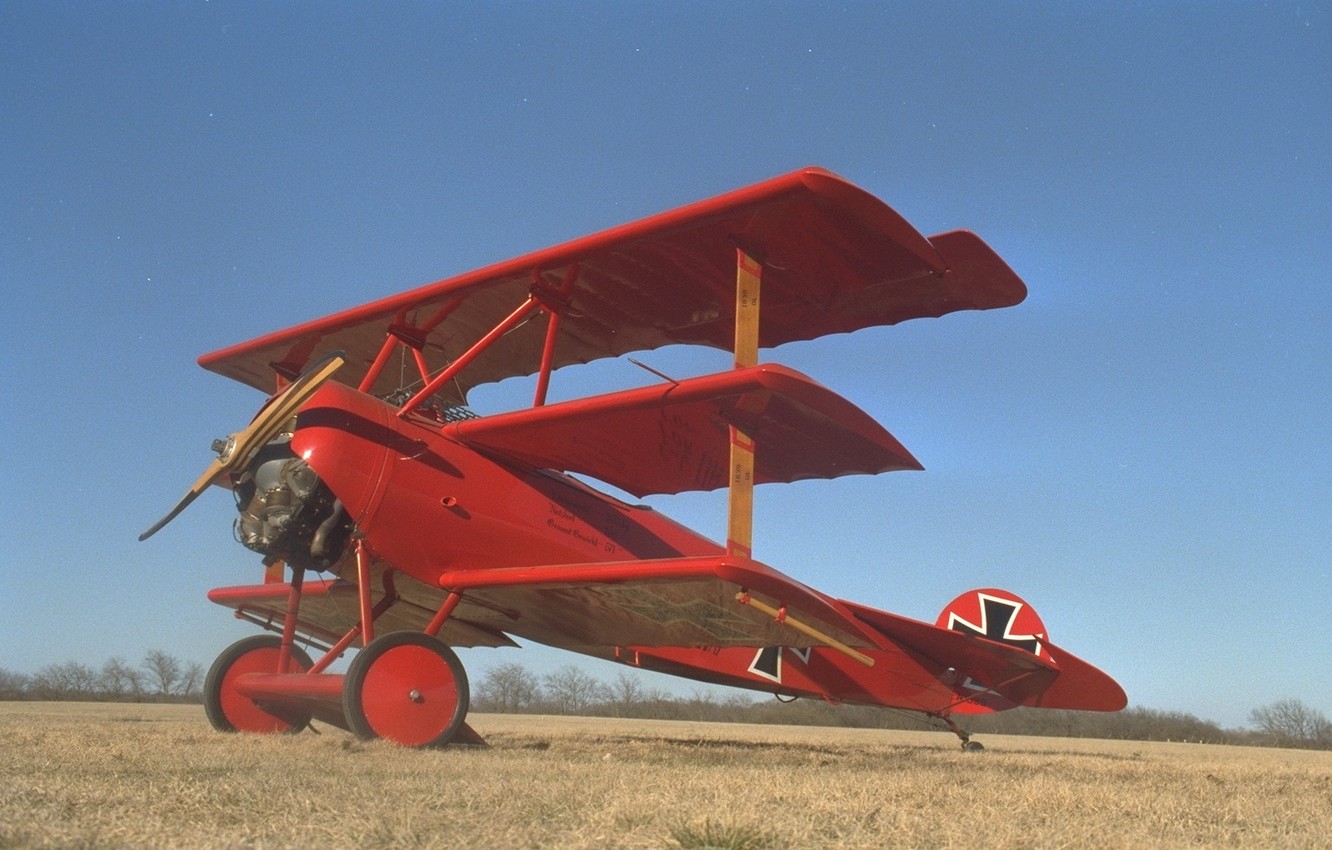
(266, 425)
(270, 420)
(214, 472)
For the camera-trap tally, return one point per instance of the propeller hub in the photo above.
(224, 448)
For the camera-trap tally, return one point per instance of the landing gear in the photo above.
(231, 711)
(968, 745)
(407, 687)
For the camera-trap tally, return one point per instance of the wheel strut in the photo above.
(968, 745)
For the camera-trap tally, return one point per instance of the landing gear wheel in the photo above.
(228, 710)
(972, 746)
(407, 687)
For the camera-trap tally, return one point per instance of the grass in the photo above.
(721, 837)
(88, 775)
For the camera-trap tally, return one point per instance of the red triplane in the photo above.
(442, 528)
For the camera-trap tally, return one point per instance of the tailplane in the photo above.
(1006, 618)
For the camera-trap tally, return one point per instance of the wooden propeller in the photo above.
(241, 446)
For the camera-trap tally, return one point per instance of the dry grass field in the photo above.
(94, 775)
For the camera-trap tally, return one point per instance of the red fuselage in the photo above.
(428, 504)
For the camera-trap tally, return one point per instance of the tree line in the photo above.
(511, 688)
(159, 677)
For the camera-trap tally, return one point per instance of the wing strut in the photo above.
(508, 323)
(740, 496)
(780, 615)
(554, 304)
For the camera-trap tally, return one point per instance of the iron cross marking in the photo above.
(768, 663)
(997, 618)
(768, 660)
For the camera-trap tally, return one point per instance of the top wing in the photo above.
(836, 260)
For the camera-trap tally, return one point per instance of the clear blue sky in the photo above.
(1141, 448)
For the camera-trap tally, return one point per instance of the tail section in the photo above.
(999, 616)
(1005, 618)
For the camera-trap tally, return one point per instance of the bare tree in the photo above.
(118, 680)
(508, 688)
(164, 671)
(1292, 723)
(626, 692)
(573, 691)
(191, 679)
(12, 685)
(68, 680)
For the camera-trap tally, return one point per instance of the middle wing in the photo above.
(673, 437)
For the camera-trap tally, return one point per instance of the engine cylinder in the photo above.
(287, 512)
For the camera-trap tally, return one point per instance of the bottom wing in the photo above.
(710, 601)
(329, 609)
(730, 621)
(582, 607)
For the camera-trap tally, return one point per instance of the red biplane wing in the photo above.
(685, 611)
(836, 260)
(584, 607)
(684, 616)
(673, 437)
(667, 602)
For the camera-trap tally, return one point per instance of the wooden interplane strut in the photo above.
(740, 496)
